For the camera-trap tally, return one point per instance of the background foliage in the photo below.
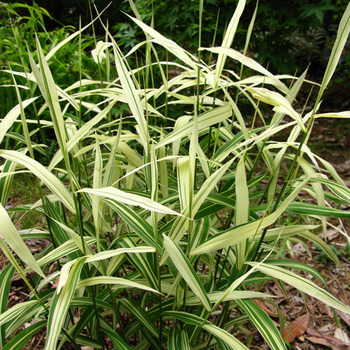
(288, 35)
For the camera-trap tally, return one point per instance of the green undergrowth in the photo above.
(166, 210)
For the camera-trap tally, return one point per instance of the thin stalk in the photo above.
(77, 199)
(228, 222)
(289, 175)
(31, 90)
(166, 92)
(154, 217)
(283, 190)
(95, 41)
(223, 265)
(100, 334)
(217, 264)
(214, 97)
(220, 321)
(256, 160)
(80, 76)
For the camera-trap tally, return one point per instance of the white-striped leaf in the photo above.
(229, 36)
(184, 181)
(178, 339)
(22, 338)
(218, 332)
(301, 284)
(60, 305)
(312, 209)
(338, 189)
(101, 280)
(214, 297)
(263, 323)
(140, 314)
(242, 195)
(12, 116)
(186, 270)
(240, 233)
(170, 45)
(322, 245)
(116, 339)
(130, 199)
(64, 249)
(345, 114)
(181, 223)
(16, 311)
(342, 36)
(112, 253)
(296, 265)
(5, 284)
(132, 97)
(140, 226)
(236, 55)
(48, 89)
(142, 263)
(9, 232)
(49, 179)
(80, 134)
(206, 119)
(282, 105)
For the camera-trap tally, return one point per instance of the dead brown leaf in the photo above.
(316, 340)
(277, 291)
(267, 309)
(325, 309)
(298, 247)
(327, 340)
(340, 334)
(330, 234)
(296, 328)
(345, 317)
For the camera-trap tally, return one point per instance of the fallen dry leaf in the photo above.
(345, 317)
(325, 309)
(330, 234)
(300, 248)
(296, 328)
(327, 340)
(320, 341)
(327, 328)
(340, 334)
(267, 309)
(277, 291)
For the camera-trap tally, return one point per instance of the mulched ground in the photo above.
(311, 321)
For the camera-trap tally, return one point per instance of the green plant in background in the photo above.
(69, 63)
(17, 35)
(287, 37)
(273, 40)
(161, 228)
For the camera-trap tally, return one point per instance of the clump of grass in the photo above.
(162, 228)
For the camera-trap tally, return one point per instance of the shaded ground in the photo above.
(313, 324)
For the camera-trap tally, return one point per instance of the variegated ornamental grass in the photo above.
(166, 220)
